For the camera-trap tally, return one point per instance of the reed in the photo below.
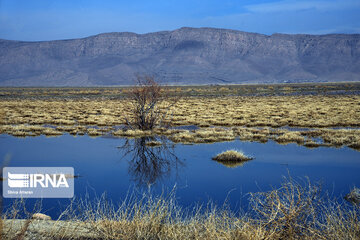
(292, 211)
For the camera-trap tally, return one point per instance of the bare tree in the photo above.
(147, 96)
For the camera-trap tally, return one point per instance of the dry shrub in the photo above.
(150, 104)
(291, 211)
(340, 221)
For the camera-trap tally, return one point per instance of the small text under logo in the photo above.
(42, 182)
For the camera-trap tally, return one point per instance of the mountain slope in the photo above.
(183, 56)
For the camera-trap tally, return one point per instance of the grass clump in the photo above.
(153, 143)
(290, 137)
(93, 132)
(50, 132)
(202, 135)
(231, 156)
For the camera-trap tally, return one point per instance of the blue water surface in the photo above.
(104, 166)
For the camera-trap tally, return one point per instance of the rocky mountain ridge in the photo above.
(182, 56)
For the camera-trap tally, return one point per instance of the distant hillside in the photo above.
(183, 56)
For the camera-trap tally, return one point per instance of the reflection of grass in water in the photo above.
(312, 144)
(293, 211)
(355, 146)
(231, 164)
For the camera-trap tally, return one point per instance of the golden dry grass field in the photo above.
(222, 114)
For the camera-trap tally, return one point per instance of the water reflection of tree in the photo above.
(149, 164)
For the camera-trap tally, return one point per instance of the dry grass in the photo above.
(94, 132)
(133, 133)
(299, 111)
(313, 138)
(290, 137)
(248, 118)
(231, 156)
(153, 143)
(205, 135)
(293, 211)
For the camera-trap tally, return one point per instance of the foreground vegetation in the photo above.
(293, 211)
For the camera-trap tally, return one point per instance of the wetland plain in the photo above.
(298, 131)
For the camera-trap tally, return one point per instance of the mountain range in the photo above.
(181, 57)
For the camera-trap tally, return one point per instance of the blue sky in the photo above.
(35, 20)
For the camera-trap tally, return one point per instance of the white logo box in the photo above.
(38, 182)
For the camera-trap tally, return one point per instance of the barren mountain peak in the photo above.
(182, 56)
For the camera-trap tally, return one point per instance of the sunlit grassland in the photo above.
(299, 111)
(221, 113)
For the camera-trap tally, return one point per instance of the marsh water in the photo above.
(117, 166)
